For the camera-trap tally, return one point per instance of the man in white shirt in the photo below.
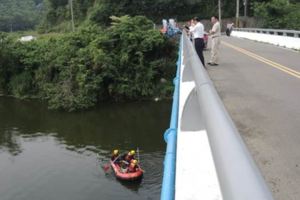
(198, 32)
(215, 33)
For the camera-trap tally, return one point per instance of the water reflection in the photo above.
(61, 149)
(134, 186)
(119, 125)
(9, 141)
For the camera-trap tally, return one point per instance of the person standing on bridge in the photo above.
(197, 29)
(229, 29)
(215, 33)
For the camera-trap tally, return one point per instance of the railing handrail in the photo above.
(170, 136)
(295, 33)
(238, 175)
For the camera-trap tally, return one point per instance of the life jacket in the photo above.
(132, 167)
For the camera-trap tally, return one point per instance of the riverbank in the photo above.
(128, 60)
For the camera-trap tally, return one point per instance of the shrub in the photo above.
(125, 61)
(278, 14)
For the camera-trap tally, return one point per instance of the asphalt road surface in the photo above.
(260, 87)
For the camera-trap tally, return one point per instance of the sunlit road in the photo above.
(260, 87)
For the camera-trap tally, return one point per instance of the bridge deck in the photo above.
(260, 87)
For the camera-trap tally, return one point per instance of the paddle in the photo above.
(106, 167)
(138, 158)
(138, 154)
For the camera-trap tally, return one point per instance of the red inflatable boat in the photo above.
(128, 176)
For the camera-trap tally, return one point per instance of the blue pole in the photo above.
(170, 136)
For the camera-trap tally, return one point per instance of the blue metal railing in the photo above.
(170, 136)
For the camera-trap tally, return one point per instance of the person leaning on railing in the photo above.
(215, 34)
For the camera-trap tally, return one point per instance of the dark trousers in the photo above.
(228, 32)
(199, 46)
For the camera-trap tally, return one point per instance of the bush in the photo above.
(125, 61)
(21, 85)
(8, 61)
(279, 14)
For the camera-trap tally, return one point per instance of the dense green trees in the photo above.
(59, 10)
(100, 10)
(25, 14)
(106, 57)
(280, 14)
(159, 9)
(126, 60)
(19, 14)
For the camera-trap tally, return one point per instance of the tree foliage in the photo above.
(125, 61)
(59, 10)
(100, 11)
(19, 14)
(279, 14)
(25, 14)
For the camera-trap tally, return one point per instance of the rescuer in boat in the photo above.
(123, 166)
(129, 156)
(132, 166)
(115, 156)
(125, 161)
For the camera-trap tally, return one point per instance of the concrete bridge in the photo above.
(235, 131)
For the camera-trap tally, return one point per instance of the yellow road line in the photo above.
(267, 60)
(264, 60)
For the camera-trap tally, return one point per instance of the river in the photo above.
(52, 155)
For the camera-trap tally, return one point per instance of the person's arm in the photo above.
(202, 29)
(213, 30)
(192, 29)
(187, 29)
(123, 156)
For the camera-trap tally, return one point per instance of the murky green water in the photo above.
(50, 155)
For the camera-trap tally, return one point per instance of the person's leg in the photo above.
(227, 32)
(202, 45)
(217, 49)
(199, 45)
(213, 51)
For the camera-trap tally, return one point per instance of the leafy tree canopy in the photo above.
(280, 14)
(19, 14)
(124, 61)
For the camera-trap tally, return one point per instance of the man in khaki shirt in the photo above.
(215, 33)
